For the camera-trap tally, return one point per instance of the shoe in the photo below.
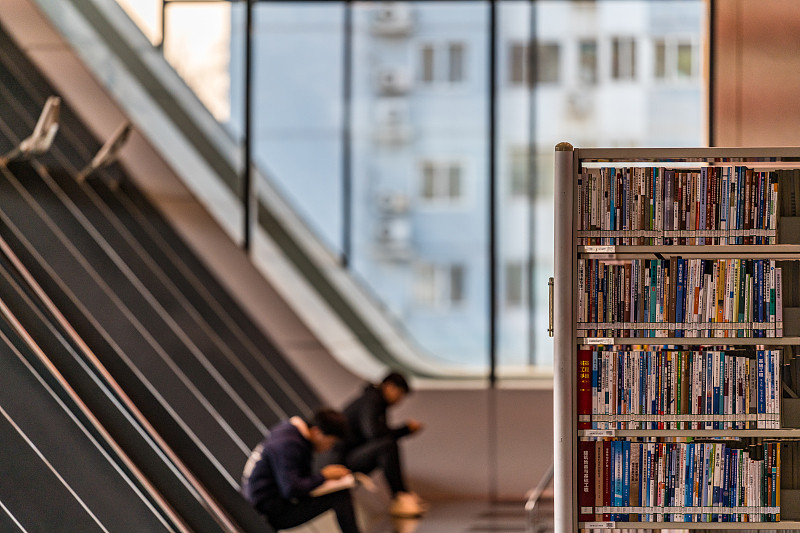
(425, 506)
(406, 505)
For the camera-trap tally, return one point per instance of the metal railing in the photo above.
(533, 522)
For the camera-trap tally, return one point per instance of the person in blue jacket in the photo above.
(278, 478)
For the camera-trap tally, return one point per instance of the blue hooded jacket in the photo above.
(280, 468)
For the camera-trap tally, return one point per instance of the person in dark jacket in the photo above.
(371, 444)
(278, 478)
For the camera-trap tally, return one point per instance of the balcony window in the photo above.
(547, 62)
(518, 64)
(675, 59)
(441, 182)
(443, 62)
(514, 284)
(623, 58)
(519, 171)
(587, 66)
(439, 285)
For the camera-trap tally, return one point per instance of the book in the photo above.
(607, 478)
(635, 479)
(584, 384)
(598, 480)
(347, 482)
(586, 487)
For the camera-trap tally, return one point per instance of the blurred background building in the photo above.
(374, 120)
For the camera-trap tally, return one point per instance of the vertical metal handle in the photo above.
(550, 284)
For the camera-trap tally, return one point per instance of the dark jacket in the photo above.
(366, 416)
(280, 469)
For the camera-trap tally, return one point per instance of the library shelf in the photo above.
(687, 341)
(780, 229)
(784, 525)
(786, 433)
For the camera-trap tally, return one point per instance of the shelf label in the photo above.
(598, 433)
(599, 525)
(595, 249)
(599, 340)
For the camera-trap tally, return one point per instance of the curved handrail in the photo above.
(532, 503)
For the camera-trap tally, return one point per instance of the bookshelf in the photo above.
(677, 330)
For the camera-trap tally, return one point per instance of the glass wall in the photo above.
(421, 170)
(298, 115)
(391, 126)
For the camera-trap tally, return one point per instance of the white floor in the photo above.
(459, 516)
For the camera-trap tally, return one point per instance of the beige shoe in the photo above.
(422, 503)
(406, 505)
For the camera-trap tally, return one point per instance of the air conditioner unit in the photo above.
(392, 122)
(580, 105)
(393, 204)
(393, 81)
(392, 19)
(393, 238)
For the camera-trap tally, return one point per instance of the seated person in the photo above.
(278, 477)
(371, 444)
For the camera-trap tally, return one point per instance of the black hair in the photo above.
(398, 380)
(330, 422)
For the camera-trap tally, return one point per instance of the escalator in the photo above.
(191, 384)
(60, 466)
(53, 471)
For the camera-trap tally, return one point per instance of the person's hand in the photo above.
(414, 425)
(334, 471)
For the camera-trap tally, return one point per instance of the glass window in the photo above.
(428, 180)
(519, 164)
(518, 64)
(456, 295)
(623, 66)
(675, 59)
(425, 284)
(427, 63)
(685, 60)
(660, 63)
(443, 62)
(456, 65)
(196, 44)
(547, 66)
(454, 182)
(588, 62)
(514, 284)
(439, 286)
(441, 181)
(300, 110)
(146, 15)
